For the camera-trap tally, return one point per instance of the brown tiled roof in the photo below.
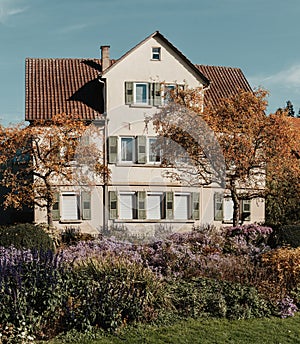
(224, 82)
(71, 86)
(55, 86)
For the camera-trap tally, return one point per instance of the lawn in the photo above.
(204, 331)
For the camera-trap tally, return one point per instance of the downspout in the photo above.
(105, 162)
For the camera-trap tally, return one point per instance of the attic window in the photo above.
(156, 53)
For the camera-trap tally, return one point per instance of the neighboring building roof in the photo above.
(56, 86)
(224, 82)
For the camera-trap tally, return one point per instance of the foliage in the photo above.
(217, 298)
(248, 142)
(109, 285)
(26, 236)
(247, 239)
(283, 267)
(111, 293)
(285, 235)
(35, 159)
(41, 295)
(32, 290)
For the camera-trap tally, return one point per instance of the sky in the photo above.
(259, 36)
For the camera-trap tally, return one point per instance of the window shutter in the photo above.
(55, 207)
(141, 149)
(141, 205)
(246, 210)
(195, 206)
(86, 205)
(218, 206)
(169, 205)
(112, 149)
(128, 92)
(157, 94)
(113, 205)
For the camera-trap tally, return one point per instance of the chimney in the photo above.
(105, 57)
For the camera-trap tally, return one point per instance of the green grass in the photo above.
(208, 331)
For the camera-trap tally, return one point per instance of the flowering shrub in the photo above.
(247, 239)
(287, 308)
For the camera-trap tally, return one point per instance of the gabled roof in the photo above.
(158, 35)
(68, 86)
(72, 86)
(224, 82)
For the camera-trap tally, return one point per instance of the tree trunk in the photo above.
(49, 214)
(236, 202)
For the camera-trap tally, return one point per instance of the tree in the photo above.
(290, 109)
(36, 159)
(253, 145)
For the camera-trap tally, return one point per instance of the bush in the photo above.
(32, 290)
(283, 268)
(215, 298)
(110, 293)
(286, 235)
(26, 236)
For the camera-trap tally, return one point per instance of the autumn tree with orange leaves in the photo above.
(35, 159)
(254, 147)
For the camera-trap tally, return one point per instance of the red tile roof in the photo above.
(71, 86)
(224, 82)
(68, 86)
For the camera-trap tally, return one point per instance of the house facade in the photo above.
(117, 96)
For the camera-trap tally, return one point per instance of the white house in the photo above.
(117, 95)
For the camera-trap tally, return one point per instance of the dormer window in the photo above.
(156, 53)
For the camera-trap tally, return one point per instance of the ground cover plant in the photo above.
(108, 284)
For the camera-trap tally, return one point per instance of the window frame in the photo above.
(148, 151)
(135, 102)
(156, 54)
(133, 140)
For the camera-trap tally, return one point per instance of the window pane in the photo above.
(141, 93)
(127, 149)
(154, 150)
(156, 53)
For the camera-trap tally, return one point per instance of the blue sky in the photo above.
(259, 36)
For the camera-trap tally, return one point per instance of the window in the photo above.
(71, 206)
(223, 209)
(218, 207)
(181, 206)
(156, 53)
(127, 205)
(154, 151)
(168, 91)
(245, 210)
(156, 205)
(141, 93)
(139, 149)
(127, 149)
